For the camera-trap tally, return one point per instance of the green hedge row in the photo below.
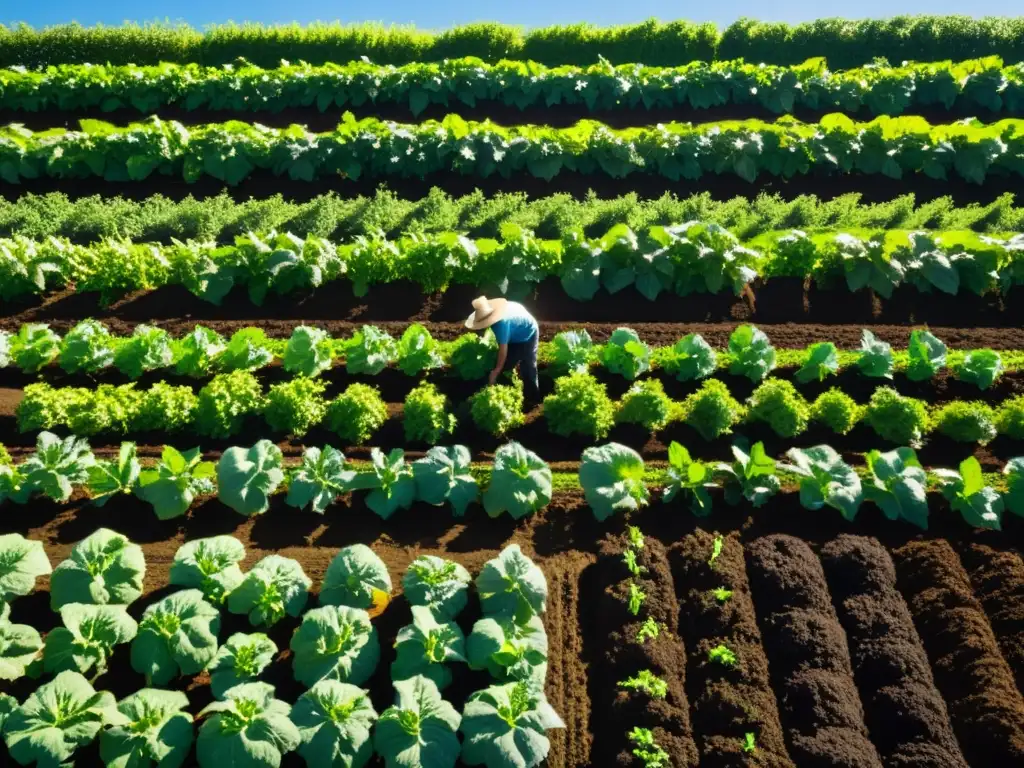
(845, 43)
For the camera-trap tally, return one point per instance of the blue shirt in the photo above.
(516, 326)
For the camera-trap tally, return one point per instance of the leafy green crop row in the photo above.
(881, 90)
(230, 152)
(335, 649)
(221, 218)
(518, 482)
(691, 257)
(847, 43)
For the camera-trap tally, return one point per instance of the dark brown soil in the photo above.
(808, 656)
(998, 581)
(727, 703)
(903, 709)
(986, 707)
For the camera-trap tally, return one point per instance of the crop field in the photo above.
(261, 507)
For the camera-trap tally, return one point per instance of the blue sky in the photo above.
(444, 13)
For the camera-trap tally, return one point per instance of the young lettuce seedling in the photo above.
(649, 630)
(629, 558)
(721, 594)
(636, 538)
(647, 682)
(749, 743)
(716, 550)
(636, 598)
(647, 749)
(723, 655)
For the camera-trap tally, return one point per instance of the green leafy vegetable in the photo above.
(356, 577)
(155, 731)
(241, 659)
(319, 479)
(87, 638)
(612, 477)
(980, 505)
(177, 636)
(520, 482)
(440, 585)
(249, 729)
(174, 482)
(826, 480)
(419, 729)
(334, 721)
(426, 646)
(444, 475)
(507, 725)
(511, 584)
(335, 642)
(105, 568)
(210, 565)
(276, 586)
(247, 476)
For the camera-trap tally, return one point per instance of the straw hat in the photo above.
(486, 312)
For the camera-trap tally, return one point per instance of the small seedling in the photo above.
(647, 749)
(749, 743)
(629, 558)
(647, 682)
(716, 550)
(721, 594)
(722, 655)
(636, 538)
(650, 629)
(636, 598)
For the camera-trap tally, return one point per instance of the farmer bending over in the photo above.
(517, 335)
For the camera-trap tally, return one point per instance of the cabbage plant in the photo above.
(419, 729)
(508, 649)
(369, 351)
(174, 482)
(177, 636)
(319, 479)
(335, 642)
(826, 480)
(34, 347)
(980, 505)
(625, 354)
(426, 646)
(981, 367)
(247, 476)
(390, 482)
(247, 350)
(440, 585)
(520, 482)
(751, 475)
(87, 348)
(506, 725)
(275, 587)
(512, 585)
(875, 359)
(103, 568)
(898, 485)
(57, 465)
(752, 354)
(309, 351)
(334, 721)
(417, 351)
(689, 359)
(20, 646)
(356, 577)
(241, 659)
(444, 475)
(210, 565)
(147, 349)
(248, 729)
(571, 352)
(197, 354)
(156, 731)
(110, 477)
(87, 638)
(612, 477)
(926, 355)
(23, 561)
(57, 719)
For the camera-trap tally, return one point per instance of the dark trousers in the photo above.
(524, 354)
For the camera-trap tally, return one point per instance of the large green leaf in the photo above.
(177, 636)
(247, 476)
(507, 725)
(334, 721)
(512, 585)
(612, 477)
(335, 642)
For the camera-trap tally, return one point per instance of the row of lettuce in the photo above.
(89, 348)
(887, 147)
(682, 259)
(518, 482)
(335, 649)
(980, 84)
(847, 42)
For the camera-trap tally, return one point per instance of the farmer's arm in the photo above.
(499, 365)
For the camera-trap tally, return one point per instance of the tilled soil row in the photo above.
(985, 706)
(727, 702)
(777, 300)
(905, 714)
(810, 662)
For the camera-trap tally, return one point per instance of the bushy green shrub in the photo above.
(579, 406)
(836, 410)
(1009, 417)
(898, 419)
(645, 403)
(226, 401)
(357, 413)
(498, 408)
(426, 416)
(712, 410)
(295, 406)
(966, 422)
(777, 403)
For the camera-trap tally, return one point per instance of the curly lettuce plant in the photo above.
(147, 349)
(275, 587)
(295, 406)
(226, 402)
(645, 403)
(579, 405)
(443, 475)
(356, 577)
(419, 729)
(88, 637)
(896, 418)
(438, 584)
(473, 356)
(777, 403)
(335, 642)
(173, 483)
(319, 479)
(334, 721)
(241, 659)
(521, 482)
(512, 585)
(246, 477)
(357, 413)
(712, 410)
(426, 646)
(497, 408)
(966, 422)
(209, 565)
(507, 725)
(836, 410)
(177, 636)
(249, 728)
(426, 417)
(155, 731)
(612, 477)
(105, 568)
